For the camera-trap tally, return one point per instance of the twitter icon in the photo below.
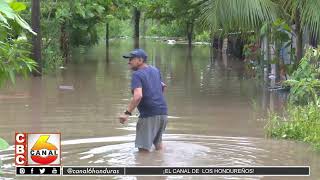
(42, 170)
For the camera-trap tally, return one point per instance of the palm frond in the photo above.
(310, 17)
(208, 15)
(237, 14)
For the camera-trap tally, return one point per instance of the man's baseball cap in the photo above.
(139, 53)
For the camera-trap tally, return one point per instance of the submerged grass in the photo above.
(300, 123)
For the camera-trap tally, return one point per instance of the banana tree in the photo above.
(277, 36)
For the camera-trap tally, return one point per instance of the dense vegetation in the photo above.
(301, 120)
(14, 45)
(299, 123)
(58, 26)
(66, 24)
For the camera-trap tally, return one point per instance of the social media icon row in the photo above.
(38, 170)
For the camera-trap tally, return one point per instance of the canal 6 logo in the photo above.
(43, 149)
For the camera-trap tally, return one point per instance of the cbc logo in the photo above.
(42, 149)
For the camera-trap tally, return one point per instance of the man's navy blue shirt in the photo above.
(153, 102)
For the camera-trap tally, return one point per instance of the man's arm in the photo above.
(137, 96)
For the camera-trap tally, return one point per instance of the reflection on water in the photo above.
(212, 120)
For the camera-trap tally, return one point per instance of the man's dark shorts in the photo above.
(150, 130)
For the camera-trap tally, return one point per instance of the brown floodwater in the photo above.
(216, 113)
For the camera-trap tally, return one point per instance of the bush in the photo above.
(52, 58)
(165, 30)
(118, 28)
(302, 119)
(301, 123)
(203, 37)
(304, 82)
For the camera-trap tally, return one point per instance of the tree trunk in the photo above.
(212, 47)
(136, 27)
(220, 42)
(107, 42)
(189, 33)
(273, 66)
(64, 42)
(36, 40)
(266, 56)
(224, 49)
(299, 34)
(107, 35)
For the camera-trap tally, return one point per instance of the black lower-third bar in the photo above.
(214, 171)
(193, 171)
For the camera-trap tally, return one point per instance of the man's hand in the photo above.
(123, 118)
(137, 96)
(164, 86)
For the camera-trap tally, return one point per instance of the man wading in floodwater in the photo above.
(147, 88)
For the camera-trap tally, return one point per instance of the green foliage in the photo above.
(120, 28)
(159, 10)
(309, 65)
(281, 30)
(279, 33)
(304, 82)
(203, 36)
(302, 123)
(70, 23)
(165, 30)
(9, 16)
(140, 4)
(3, 144)
(51, 54)
(17, 6)
(14, 47)
(174, 18)
(53, 60)
(252, 52)
(15, 59)
(304, 91)
(184, 10)
(81, 18)
(14, 54)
